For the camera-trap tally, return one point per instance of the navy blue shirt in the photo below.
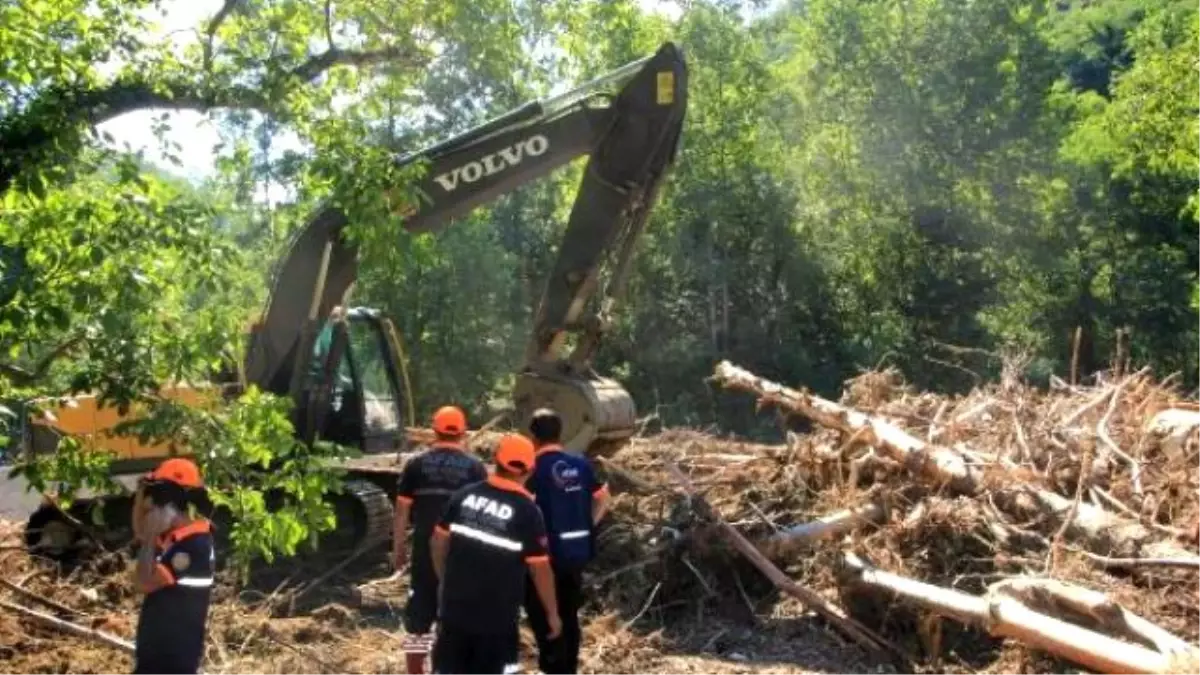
(564, 487)
(429, 479)
(171, 627)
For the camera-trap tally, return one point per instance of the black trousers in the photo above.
(421, 609)
(461, 651)
(160, 669)
(560, 655)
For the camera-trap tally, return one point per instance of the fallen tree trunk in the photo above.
(1006, 617)
(941, 466)
(1104, 531)
(1174, 429)
(69, 628)
(936, 464)
(41, 600)
(824, 527)
(1054, 596)
(834, 614)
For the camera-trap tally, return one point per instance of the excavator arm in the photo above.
(631, 139)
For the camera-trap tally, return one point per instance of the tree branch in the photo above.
(22, 377)
(329, 24)
(315, 66)
(53, 122)
(211, 31)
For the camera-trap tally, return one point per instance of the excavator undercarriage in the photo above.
(344, 367)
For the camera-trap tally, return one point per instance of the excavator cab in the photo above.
(353, 393)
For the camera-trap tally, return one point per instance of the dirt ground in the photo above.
(668, 592)
(351, 624)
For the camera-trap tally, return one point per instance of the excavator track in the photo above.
(364, 516)
(66, 536)
(49, 533)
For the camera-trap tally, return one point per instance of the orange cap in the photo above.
(180, 471)
(515, 453)
(450, 421)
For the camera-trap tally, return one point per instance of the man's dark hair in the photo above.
(166, 493)
(546, 426)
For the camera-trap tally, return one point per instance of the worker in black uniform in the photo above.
(573, 500)
(175, 567)
(425, 486)
(489, 535)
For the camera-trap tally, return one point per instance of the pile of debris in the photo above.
(1002, 531)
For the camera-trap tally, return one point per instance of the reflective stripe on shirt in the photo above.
(485, 537)
(194, 582)
(575, 534)
(433, 491)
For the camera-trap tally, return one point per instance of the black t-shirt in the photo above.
(428, 481)
(171, 626)
(495, 530)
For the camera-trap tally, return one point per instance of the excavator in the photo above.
(343, 366)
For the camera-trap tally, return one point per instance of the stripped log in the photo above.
(1175, 431)
(936, 464)
(1004, 616)
(1056, 597)
(831, 612)
(40, 599)
(69, 628)
(824, 527)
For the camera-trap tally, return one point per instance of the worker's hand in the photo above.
(555, 626)
(157, 520)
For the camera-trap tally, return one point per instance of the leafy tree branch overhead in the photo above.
(273, 56)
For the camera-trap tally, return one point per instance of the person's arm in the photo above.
(400, 532)
(405, 492)
(439, 549)
(480, 472)
(543, 581)
(600, 496)
(140, 504)
(151, 574)
(538, 558)
(439, 541)
(188, 561)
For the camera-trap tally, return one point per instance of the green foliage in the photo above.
(861, 182)
(273, 486)
(116, 272)
(119, 279)
(127, 277)
(68, 472)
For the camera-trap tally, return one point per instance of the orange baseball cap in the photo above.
(450, 421)
(180, 471)
(515, 453)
